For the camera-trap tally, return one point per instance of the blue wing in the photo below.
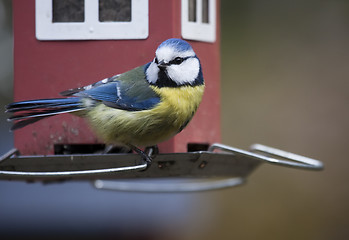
(128, 91)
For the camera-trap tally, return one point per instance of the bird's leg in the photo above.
(145, 156)
(110, 148)
(151, 151)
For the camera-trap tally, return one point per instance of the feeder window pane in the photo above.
(68, 10)
(91, 19)
(205, 11)
(198, 20)
(114, 10)
(192, 10)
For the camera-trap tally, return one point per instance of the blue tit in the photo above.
(141, 107)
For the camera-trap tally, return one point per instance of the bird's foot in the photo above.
(147, 158)
(152, 151)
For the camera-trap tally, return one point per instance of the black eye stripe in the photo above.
(178, 60)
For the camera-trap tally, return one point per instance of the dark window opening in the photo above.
(114, 10)
(205, 11)
(192, 10)
(64, 149)
(195, 147)
(68, 10)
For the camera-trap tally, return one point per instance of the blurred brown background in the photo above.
(284, 84)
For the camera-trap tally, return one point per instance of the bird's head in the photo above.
(175, 64)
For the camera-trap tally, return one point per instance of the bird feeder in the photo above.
(60, 45)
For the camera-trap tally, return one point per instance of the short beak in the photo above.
(162, 65)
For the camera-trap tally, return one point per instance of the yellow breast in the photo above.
(148, 127)
(179, 104)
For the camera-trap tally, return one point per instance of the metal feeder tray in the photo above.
(221, 166)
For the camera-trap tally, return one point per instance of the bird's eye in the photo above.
(156, 60)
(177, 60)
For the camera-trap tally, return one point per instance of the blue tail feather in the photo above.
(41, 103)
(27, 112)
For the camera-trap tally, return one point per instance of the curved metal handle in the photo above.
(168, 186)
(294, 160)
(89, 173)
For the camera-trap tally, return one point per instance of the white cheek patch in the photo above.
(186, 72)
(168, 53)
(152, 73)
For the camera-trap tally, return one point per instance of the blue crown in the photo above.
(178, 44)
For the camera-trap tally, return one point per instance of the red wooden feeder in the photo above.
(58, 46)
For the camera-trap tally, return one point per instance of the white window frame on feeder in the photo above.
(91, 28)
(198, 30)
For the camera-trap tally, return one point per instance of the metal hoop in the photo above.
(294, 160)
